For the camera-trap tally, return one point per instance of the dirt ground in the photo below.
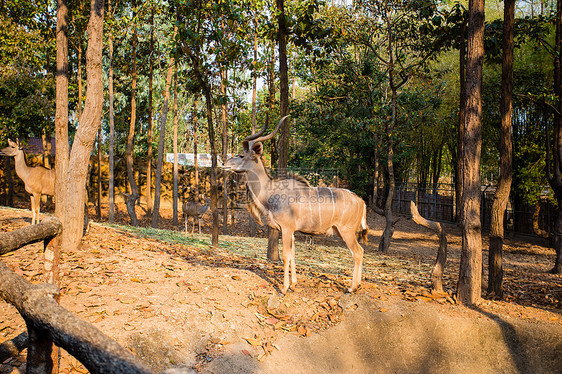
(175, 302)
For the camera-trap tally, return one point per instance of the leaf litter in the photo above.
(126, 280)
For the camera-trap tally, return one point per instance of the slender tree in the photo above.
(195, 145)
(150, 115)
(61, 113)
(470, 273)
(462, 117)
(99, 184)
(495, 256)
(224, 115)
(175, 146)
(160, 161)
(205, 86)
(283, 88)
(111, 214)
(555, 171)
(133, 195)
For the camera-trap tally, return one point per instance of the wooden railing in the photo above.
(47, 322)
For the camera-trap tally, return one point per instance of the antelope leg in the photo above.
(287, 255)
(293, 261)
(37, 206)
(357, 252)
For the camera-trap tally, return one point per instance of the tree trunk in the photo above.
(469, 284)
(150, 122)
(495, 255)
(283, 91)
(254, 79)
(98, 205)
(195, 145)
(163, 117)
(273, 234)
(175, 146)
(214, 184)
(384, 244)
(79, 73)
(62, 181)
(376, 174)
(536, 223)
(555, 177)
(224, 154)
(111, 214)
(441, 260)
(133, 195)
(61, 112)
(254, 108)
(462, 118)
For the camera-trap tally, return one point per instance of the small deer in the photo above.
(38, 180)
(196, 210)
(293, 205)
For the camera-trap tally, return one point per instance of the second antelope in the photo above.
(293, 205)
(196, 210)
(38, 180)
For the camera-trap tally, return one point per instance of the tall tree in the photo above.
(160, 161)
(150, 116)
(495, 256)
(462, 117)
(470, 273)
(61, 114)
(283, 88)
(195, 145)
(99, 183)
(402, 37)
(111, 214)
(555, 171)
(224, 121)
(211, 49)
(206, 87)
(133, 196)
(175, 146)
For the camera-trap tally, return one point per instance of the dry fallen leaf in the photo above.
(253, 341)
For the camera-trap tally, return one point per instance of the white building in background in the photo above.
(188, 159)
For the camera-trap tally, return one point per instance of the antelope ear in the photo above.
(11, 143)
(257, 148)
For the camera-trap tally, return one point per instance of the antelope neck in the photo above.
(21, 167)
(258, 181)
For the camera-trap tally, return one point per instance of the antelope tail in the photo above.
(364, 228)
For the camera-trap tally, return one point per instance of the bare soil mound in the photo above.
(176, 303)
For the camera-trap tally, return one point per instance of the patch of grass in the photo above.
(242, 245)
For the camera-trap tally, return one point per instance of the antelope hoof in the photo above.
(285, 290)
(353, 289)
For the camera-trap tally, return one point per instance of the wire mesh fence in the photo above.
(438, 203)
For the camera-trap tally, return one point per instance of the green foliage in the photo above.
(339, 56)
(26, 91)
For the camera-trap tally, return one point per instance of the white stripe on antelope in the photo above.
(293, 205)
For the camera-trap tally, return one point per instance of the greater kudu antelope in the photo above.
(38, 180)
(292, 205)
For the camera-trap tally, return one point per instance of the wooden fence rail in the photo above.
(48, 322)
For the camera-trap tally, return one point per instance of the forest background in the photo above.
(378, 121)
